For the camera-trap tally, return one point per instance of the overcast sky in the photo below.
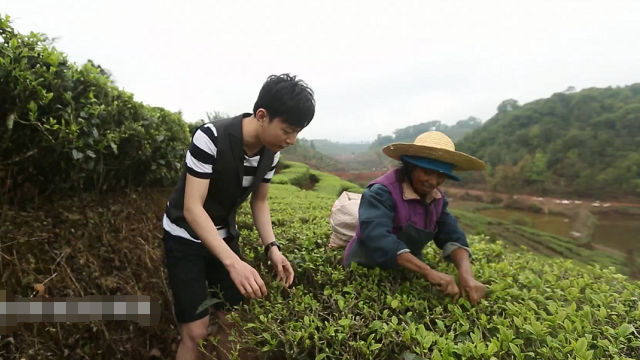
(375, 66)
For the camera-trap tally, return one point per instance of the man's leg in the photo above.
(186, 269)
(219, 279)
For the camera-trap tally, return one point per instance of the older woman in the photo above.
(403, 210)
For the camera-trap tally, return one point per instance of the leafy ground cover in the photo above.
(539, 308)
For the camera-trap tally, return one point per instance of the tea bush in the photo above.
(537, 308)
(332, 184)
(300, 175)
(66, 127)
(293, 173)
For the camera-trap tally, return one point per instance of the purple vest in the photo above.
(414, 211)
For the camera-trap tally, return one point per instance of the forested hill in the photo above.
(409, 133)
(340, 149)
(583, 143)
(304, 151)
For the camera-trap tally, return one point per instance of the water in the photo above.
(553, 224)
(617, 232)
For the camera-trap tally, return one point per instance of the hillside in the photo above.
(584, 144)
(339, 150)
(86, 171)
(304, 152)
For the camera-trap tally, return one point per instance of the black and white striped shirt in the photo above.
(200, 162)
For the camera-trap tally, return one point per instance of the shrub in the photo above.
(66, 127)
(299, 175)
(333, 185)
(293, 173)
(535, 208)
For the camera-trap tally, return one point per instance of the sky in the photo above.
(375, 66)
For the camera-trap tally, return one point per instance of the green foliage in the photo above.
(583, 144)
(299, 175)
(537, 308)
(68, 127)
(333, 185)
(293, 173)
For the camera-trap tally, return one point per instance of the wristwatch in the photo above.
(269, 246)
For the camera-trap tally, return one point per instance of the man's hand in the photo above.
(247, 279)
(281, 265)
(446, 284)
(472, 287)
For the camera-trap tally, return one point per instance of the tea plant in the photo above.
(67, 127)
(538, 308)
(299, 174)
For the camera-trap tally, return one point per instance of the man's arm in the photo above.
(194, 195)
(260, 206)
(261, 214)
(200, 163)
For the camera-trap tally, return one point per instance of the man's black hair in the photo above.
(288, 98)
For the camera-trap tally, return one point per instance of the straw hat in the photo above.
(435, 145)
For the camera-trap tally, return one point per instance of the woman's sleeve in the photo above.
(375, 215)
(449, 235)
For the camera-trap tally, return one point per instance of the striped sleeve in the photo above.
(201, 155)
(269, 175)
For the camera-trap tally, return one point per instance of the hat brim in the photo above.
(462, 161)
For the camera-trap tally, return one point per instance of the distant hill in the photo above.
(372, 158)
(583, 143)
(338, 149)
(305, 153)
(409, 133)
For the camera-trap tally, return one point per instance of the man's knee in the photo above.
(195, 331)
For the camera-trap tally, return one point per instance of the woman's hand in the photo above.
(472, 288)
(445, 283)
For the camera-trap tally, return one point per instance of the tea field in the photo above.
(538, 308)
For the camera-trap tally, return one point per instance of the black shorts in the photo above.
(192, 270)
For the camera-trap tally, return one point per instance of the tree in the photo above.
(508, 105)
(216, 115)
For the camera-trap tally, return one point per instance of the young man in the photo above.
(226, 161)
